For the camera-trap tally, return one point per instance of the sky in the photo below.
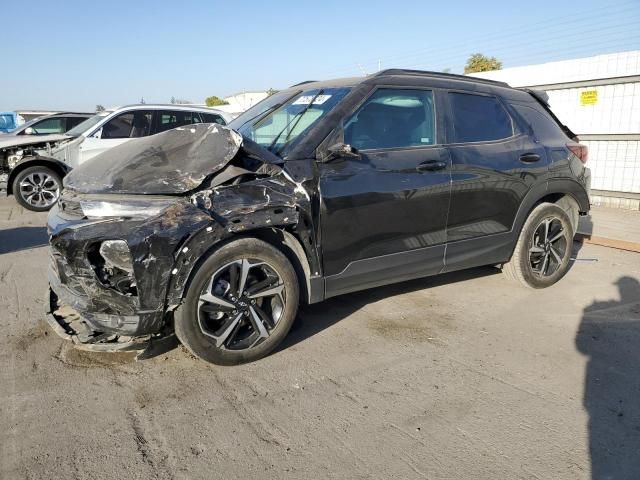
(72, 55)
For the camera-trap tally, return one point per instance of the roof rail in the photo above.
(302, 83)
(423, 73)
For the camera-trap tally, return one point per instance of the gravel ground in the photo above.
(462, 376)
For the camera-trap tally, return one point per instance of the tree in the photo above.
(99, 108)
(272, 91)
(173, 100)
(481, 63)
(214, 101)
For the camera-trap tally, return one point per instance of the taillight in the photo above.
(579, 150)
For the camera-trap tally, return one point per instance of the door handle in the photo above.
(431, 166)
(529, 157)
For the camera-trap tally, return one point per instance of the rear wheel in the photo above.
(543, 250)
(240, 304)
(37, 188)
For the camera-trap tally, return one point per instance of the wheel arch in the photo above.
(57, 166)
(278, 237)
(567, 193)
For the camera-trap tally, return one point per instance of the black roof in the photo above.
(442, 75)
(401, 72)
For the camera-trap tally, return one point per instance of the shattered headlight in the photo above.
(14, 158)
(143, 208)
(112, 263)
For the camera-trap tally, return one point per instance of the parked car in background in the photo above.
(32, 166)
(50, 124)
(322, 189)
(10, 121)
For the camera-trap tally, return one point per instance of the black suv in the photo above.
(217, 234)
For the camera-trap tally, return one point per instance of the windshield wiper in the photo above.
(297, 119)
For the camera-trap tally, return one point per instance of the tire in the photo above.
(37, 188)
(527, 264)
(246, 328)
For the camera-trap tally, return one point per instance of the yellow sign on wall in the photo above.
(589, 97)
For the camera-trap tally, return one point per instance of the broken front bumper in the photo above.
(69, 324)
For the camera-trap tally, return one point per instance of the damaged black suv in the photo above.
(217, 234)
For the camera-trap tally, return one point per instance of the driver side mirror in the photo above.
(341, 150)
(29, 131)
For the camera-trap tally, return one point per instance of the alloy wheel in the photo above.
(549, 247)
(40, 189)
(241, 304)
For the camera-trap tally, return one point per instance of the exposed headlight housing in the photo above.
(14, 158)
(126, 208)
(112, 263)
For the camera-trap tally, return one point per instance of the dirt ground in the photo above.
(463, 376)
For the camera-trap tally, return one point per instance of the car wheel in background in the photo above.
(542, 253)
(240, 304)
(37, 188)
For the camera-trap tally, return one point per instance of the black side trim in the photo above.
(386, 269)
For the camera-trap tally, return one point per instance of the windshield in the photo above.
(87, 124)
(278, 121)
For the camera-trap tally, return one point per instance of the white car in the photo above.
(33, 170)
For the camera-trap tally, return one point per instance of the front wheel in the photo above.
(240, 305)
(542, 253)
(37, 188)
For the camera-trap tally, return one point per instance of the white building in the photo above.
(242, 101)
(599, 99)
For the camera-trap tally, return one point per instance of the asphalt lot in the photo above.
(463, 376)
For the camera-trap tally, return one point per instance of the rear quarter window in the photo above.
(544, 127)
(479, 118)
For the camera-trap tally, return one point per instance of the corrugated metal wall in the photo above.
(617, 110)
(614, 165)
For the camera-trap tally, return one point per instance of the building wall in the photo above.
(608, 121)
(245, 100)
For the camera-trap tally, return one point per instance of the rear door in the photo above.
(116, 131)
(383, 212)
(494, 164)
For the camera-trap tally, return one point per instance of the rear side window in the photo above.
(168, 119)
(212, 118)
(72, 122)
(393, 118)
(544, 127)
(477, 118)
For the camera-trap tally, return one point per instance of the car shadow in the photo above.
(313, 319)
(22, 238)
(609, 335)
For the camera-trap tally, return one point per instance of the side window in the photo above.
(168, 119)
(544, 126)
(72, 122)
(392, 118)
(477, 118)
(50, 125)
(212, 118)
(128, 125)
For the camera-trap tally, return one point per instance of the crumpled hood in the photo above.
(20, 140)
(172, 162)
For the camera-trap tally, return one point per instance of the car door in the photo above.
(494, 164)
(384, 209)
(117, 130)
